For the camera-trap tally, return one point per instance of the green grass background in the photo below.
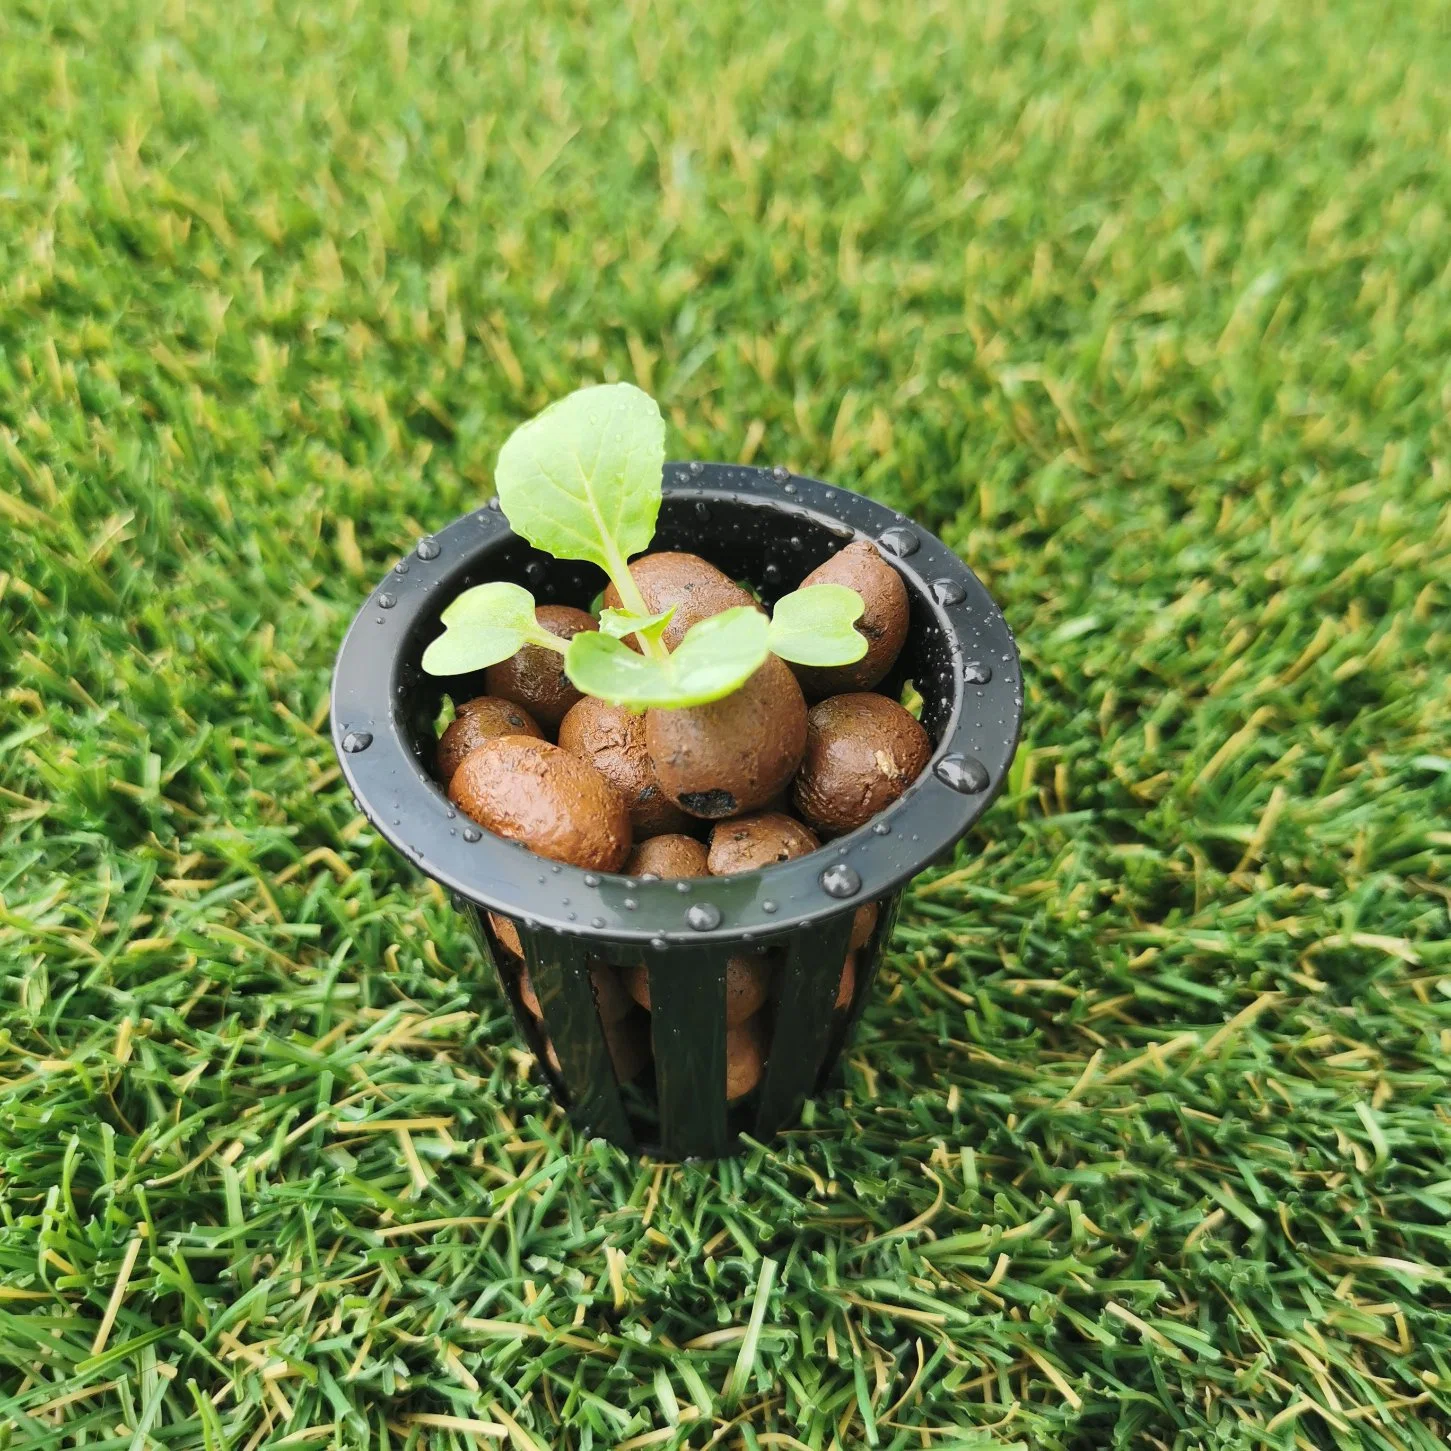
(1146, 308)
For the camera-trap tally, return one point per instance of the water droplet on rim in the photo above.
(451, 813)
(630, 904)
(789, 489)
(495, 505)
(948, 592)
(682, 887)
(702, 509)
(696, 467)
(704, 916)
(882, 829)
(780, 474)
(428, 547)
(963, 773)
(658, 943)
(900, 542)
(590, 880)
(773, 574)
(841, 880)
(387, 601)
(977, 672)
(768, 906)
(401, 567)
(356, 741)
(596, 921)
(472, 833)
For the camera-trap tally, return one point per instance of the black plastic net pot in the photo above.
(658, 1082)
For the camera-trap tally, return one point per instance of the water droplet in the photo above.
(590, 880)
(630, 884)
(596, 921)
(574, 916)
(630, 904)
(682, 887)
(768, 907)
(658, 943)
(696, 467)
(564, 901)
(900, 542)
(772, 574)
(451, 814)
(977, 672)
(962, 773)
(356, 741)
(387, 601)
(378, 619)
(780, 474)
(796, 543)
(704, 916)
(428, 547)
(948, 592)
(882, 829)
(841, 880)
(789, 489)
(556, 869)
(535, 572)
(495, 505)
(540, 879)
(702, 509)
(401, 567)
(472, 833)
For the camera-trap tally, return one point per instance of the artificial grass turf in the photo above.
(1146, 309)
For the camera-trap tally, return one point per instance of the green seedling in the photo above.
(582, 480)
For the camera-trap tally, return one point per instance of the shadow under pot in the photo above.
(671, 1017)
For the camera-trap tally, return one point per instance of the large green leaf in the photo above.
(582, 479)
(813, 626)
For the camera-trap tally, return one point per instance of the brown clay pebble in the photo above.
(694, 586)
(477, 721)
(733, 755)
(747, 986)
(668, 857)
(528, 996)
(745, 1058)
(534, 677)
(612, 740)
(749, 842)
(883, 621)
(863, 924)
(507, 933)
(557, 805)
(862, 752)
(846, 990)
(628, 1041)
(612, 1002)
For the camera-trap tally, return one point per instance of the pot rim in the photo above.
(968, 766)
